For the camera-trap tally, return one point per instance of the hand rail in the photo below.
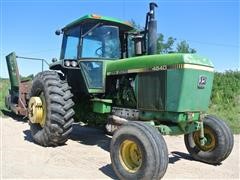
(38, 59)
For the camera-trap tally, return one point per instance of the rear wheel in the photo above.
(50, 109)
(138, 151)
(219, 141)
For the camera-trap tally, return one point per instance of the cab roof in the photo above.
(124, 25)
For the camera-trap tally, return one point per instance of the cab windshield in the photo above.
(101, 42)
(92, 41)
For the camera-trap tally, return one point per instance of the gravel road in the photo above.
(86, 156)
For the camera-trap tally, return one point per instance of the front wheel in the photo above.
(218, 145)
(138, 151)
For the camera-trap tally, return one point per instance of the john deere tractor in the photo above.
(110, 72)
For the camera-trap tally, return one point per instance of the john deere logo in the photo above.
(202, 81)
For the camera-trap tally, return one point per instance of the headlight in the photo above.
(67, 63)
(74, 63)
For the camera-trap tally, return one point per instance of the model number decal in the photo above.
(159, 68)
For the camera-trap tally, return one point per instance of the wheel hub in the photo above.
(210, 140)
(35, 111)
(130, 156)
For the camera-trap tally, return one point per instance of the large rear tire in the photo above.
(57, 107)
(138, 151)
(219, 142)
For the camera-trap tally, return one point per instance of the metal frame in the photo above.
(37, 59)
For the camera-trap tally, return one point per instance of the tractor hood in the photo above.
(159, 62)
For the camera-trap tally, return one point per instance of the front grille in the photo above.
(151, 91)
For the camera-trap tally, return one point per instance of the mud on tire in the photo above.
(59, 109)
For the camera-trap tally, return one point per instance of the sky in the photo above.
(209, 26)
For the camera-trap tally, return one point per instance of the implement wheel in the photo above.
(218, 141)
(50, 109)
(138, 151)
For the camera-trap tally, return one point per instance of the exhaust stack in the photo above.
(152, 29)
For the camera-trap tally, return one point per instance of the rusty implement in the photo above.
(17, 100)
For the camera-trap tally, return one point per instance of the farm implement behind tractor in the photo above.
(109, 69)
(18, 96)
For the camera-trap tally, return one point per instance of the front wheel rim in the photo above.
(130, 156)
(210, 137)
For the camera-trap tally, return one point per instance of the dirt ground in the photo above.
(86, 156)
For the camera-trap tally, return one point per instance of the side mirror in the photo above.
(54, 60)
(58, 32)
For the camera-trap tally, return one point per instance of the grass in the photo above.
(4, 86)
(225, 100)
(230, 114)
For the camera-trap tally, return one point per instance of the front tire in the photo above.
(219, 141)
(138, 151)
(56, 121)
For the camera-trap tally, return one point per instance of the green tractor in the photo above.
(110, 70)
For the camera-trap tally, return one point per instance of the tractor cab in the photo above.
(92, 42)
(94, 36)
(88, 43)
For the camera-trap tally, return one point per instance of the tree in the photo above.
(165, 47)
(183, 47)
(136, 26)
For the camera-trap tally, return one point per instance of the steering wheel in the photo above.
(99, 51)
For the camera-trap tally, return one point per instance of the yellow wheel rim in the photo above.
(210, 139)
(36, 110)
(130, 156)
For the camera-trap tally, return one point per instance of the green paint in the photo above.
(110, 20)
(56, 65)
(181, 123)
(102, 105)
(59, 65)
(97, 90)
(175, 117)
(183, 93)
(150, 61)
(178, 129)
(13, 71)
(84, 112)
(151, 123)
(183, 99)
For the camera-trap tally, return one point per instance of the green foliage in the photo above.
(135, 25)
(167, 46)
(183, 47)
(4, 86)
(225, 99)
